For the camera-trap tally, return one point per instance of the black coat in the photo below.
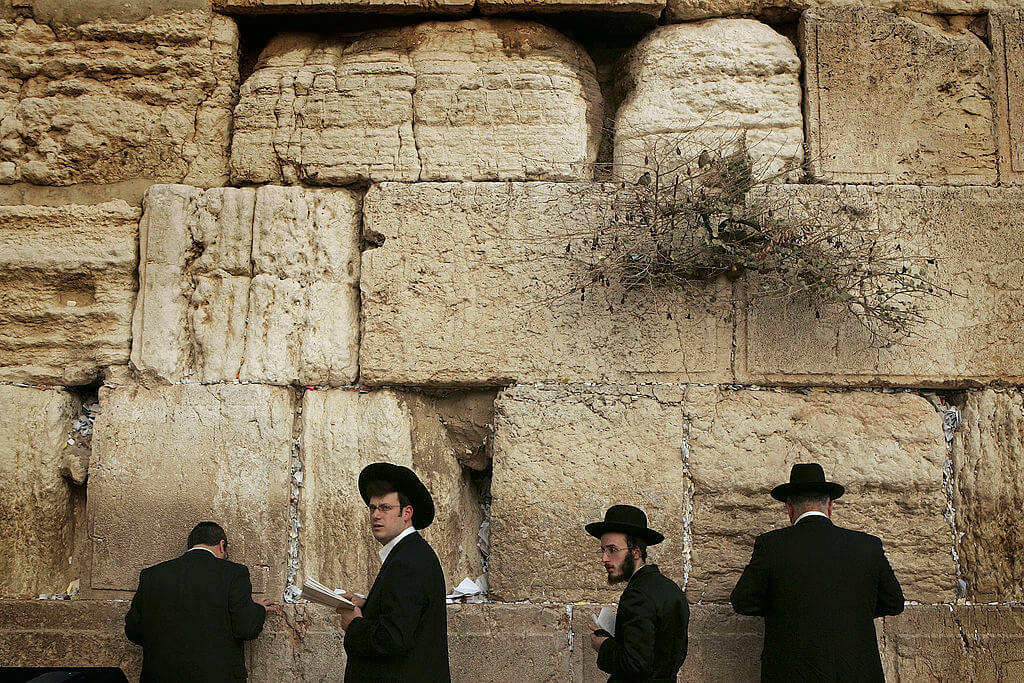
(819, 588)
(191, 616)
(650, 630)
(403, 633)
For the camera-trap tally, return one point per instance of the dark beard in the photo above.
(628, 567)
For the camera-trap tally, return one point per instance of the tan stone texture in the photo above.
(943, 643)
(972, 236)
(478, 99)
(168, 457)
(689, 10)
(988, 495)
(627, 439)
(342, 432)
(472, 285)
(68, 290)
(888, 450)
(892, 100)
(62, 13)
(115, 100)
(39, 509)
(258, 285)
(692, 87)
(1006, 29)
(615, 8)
(375, 6)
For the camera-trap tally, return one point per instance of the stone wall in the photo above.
(250, 246)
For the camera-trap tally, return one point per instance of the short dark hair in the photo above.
(634, 543)
(816, 497)
(380, 487)
(207, 533)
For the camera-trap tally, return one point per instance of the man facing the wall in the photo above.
(399, 632)
(819, 588)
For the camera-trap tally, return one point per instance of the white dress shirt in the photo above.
(808, 514)
(386, 550)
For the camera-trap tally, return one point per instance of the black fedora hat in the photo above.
(807, 477)
(405, 482)
(628, 520)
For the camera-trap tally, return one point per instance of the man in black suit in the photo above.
(399, 633)
(192, 614)
(819, 588)
(649, 643)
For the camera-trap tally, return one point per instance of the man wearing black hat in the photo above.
(818, 587)
(649, 643)
(400, 631)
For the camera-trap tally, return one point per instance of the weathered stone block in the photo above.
(1006, 29)
(944, 643)
(303, 643)
(39, 509)
(258, 285)
(930, 123)
(69, 286)
(114, 100)
(956, 10)
(888, 450)
(710, 85)
(169, 457)
(988, 495)
(472, 100)
(60, 13)
(473, 285)
(375, 6)
(971, 238)
(342, 432)
(509, 642)
(647, 9)
(627, 439)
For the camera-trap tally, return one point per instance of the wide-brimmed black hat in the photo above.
(405, 482)
(807, 477)
(628, 520)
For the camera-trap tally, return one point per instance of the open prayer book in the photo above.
(606, 620)
(314, 591)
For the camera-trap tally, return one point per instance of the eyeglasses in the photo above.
(609, 550)
(383, 507)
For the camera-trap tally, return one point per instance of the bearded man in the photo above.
(649, 643)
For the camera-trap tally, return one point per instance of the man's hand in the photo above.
(596, 641)
(347, 615)
(354, 599)
(268, 604)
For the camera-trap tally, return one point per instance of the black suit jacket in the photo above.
(403, 633)
(191, 616)
(650, 630)
(819, 588)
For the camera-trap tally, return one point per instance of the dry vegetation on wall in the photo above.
(701, 210)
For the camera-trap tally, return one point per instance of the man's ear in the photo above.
(407, 513)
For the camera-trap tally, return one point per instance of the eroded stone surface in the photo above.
(689, 10)
(68, 289)
(473, 285)
(342, 432)
(888, 450)
(114, 100)
(509, 642)
(711, 85)
(1006, 29)
(627, 439)
(39, 509)
(477, 100)
(258, 285)
(988, 494)
(931, 123)
(649, 9)
(972, 236)
(169, 457)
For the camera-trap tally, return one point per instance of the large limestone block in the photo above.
(61, 13)
(169, 457)
(473, 285)
(115, 100)
(944, 643)
(562, 456)
(258, 285)
(888, 450)
(972, 236)
(988, 495)
(707, 85)
(374, 6)
(689, 10)
(1006, 29)
(472, 100)
(39, 509)
(893, 100)
(68, 290)
(643, 10)
(342, 432)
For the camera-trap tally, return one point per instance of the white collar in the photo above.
(198, 548)
(386, 550)
(810, 513)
